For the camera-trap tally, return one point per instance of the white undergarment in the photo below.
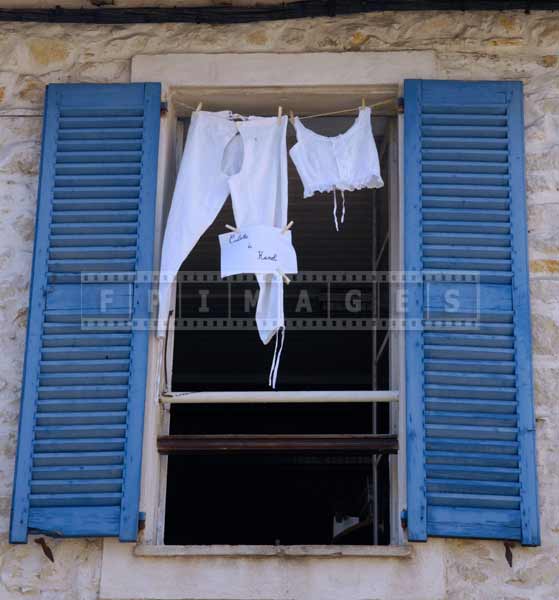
(247, 159)
(344, 162)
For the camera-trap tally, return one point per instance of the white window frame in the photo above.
(202, 76)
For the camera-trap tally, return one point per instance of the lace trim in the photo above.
(373, 182)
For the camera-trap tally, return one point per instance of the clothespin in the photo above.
(199, 107)
(292, 117)
(363, 102)
(287, 227)
(284, 277)
(231, 228)
(280, 112)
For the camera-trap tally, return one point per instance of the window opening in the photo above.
(326, 480)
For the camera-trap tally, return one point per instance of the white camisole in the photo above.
(344, 162)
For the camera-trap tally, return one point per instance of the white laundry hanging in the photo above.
(266, 251)
(344, 162)
(200, 192)
(247, 159)
(259, 197)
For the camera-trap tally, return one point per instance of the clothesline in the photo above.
(346, 110)
(325, 114)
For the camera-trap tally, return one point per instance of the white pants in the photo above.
(252, 167)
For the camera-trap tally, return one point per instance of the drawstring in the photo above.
(276, 360)
(335, 209)
(334, 212)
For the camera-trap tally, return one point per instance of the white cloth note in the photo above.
(257, 249)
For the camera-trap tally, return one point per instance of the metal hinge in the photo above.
(163, 108)
(404, 519)
(141, 520)
(400, 105)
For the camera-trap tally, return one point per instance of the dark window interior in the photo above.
(286, 498)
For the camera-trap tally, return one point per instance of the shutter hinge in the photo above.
(141, 520)
(163, 108)
(400, 105)
(404, 519)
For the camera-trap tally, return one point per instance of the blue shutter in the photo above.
(470, 417)
(80, 432)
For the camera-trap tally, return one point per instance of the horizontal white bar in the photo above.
(267, 397)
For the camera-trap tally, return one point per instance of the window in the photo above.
(288, 472)
(470, 432)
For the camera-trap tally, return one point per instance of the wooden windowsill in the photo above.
(299, 444)
(319, 551)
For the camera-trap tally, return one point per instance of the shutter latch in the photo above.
(46, 548)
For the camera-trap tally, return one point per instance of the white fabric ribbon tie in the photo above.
(335, 211)
(276, 359)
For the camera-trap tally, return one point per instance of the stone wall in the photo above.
(468, 46)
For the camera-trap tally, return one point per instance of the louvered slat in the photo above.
(47, 446)
(469, 405)
(62, 472)
(104, 157)
(464, 143)
(79, 460)
(112, 121)
(94, 133)
(81, 404)
(93, 204)
(85, 352)
(81, 418)
(81, 424)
